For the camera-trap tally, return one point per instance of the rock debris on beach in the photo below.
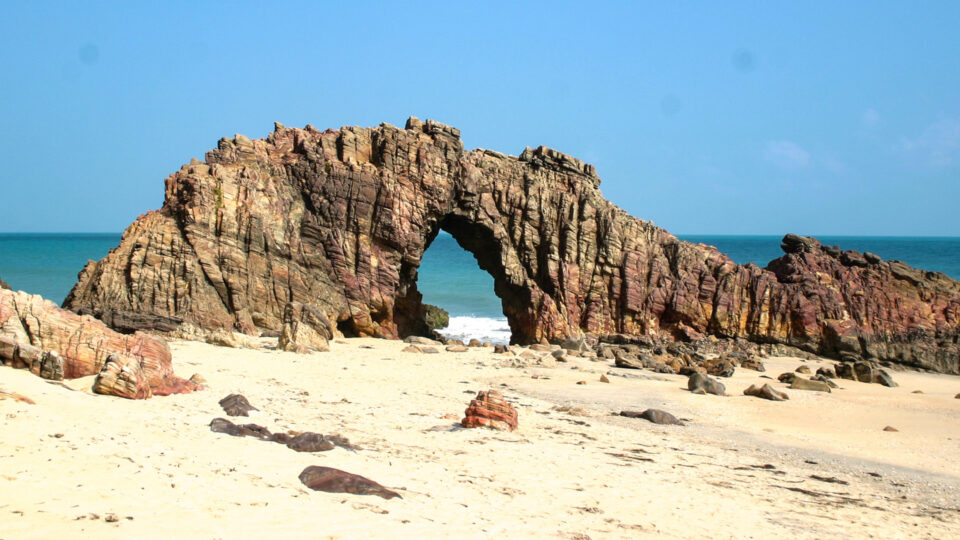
(701, 384)
(766, 392)
(333, 480)
(300, 442)
(237, 405)
(490, 410)
(654, 415)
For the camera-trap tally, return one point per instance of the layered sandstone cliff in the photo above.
(338, 220)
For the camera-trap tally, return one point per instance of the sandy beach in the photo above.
(740, 467)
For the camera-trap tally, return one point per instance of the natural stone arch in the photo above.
(480, 242)
(340, 219)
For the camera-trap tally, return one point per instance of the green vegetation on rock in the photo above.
(435, 317)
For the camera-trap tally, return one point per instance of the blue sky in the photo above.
(707, 118)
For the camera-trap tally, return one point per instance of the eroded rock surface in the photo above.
(56, 344)
(340, 219)
(489, 409)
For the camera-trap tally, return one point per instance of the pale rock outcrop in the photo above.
(57, 344)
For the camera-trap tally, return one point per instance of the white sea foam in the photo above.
(496, 331)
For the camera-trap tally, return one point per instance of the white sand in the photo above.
(561, 474)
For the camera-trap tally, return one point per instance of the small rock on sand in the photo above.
(489, 409)
(336, 481)
(890, 428)
(236, 405)
(827, 372)
(766, 392)
(799, 383)
(787, 377)
(826, 380)
(654, 415)
(412, 349)
(701, 384)
(310, 442)
(457, 348)
(604, 379)
(754, 364)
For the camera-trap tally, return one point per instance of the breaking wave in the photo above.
(496, 331)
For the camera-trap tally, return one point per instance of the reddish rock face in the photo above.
(339, 220)
(55, 343)
(490, 410)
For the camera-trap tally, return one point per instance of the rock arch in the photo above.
(340, 219)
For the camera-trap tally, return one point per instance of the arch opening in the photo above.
(461, 271)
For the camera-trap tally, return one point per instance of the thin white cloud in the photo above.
(835, 166)
(938, 146)
(786, 154)
(870, 118)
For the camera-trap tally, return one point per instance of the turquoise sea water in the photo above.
(47, 264)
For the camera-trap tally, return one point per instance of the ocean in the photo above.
(47, 264)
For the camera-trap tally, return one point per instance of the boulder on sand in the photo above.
(799, 383)
(701, 384)
(237, 405)
(766, 392)
(55, 343)
(336, 481)
(654, 415)
(489, 409)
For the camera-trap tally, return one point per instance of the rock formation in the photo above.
(340, 219)
(56, 344)
(864, 372)
(489, 409)
(436, 318)
(305, 329)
